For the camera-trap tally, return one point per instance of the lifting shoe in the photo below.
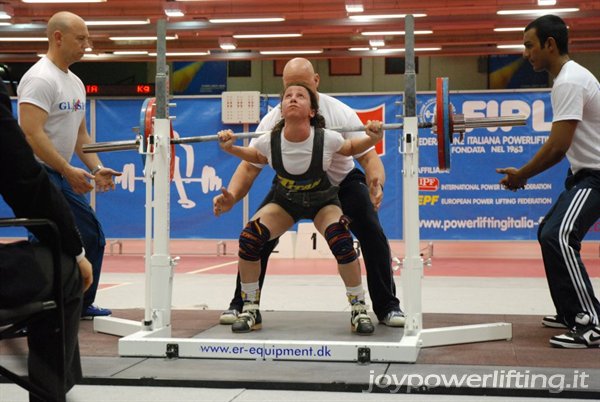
(249, 320)
(360, 320)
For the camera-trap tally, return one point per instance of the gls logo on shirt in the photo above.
(74, 106)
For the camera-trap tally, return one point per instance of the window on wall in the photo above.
(239, 68)
(395, 65)
(345, 66)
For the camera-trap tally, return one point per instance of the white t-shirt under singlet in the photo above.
(62, 96)
(336, 114)
(576, 96)
(296, 156)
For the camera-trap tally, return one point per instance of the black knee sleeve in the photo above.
(252, 239)
(340, 242)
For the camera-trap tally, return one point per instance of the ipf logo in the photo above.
(74, 106)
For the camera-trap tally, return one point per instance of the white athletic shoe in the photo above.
(584, 335)
(228, 316)
(394, 318)
(553, 321)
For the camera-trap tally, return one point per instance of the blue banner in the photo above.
(466, 203)
(199, 77)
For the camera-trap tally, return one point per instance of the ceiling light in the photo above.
(244, 20)
(365, 18)
(6, 12)
(116, 22)
(376, 42)
(513, 29)
(520, 46)
(272, 52)
(354, 6)
(139, 38)
(227, 43)
(172, 11)
(131, 52)
(546, 2)
(3, 23)
(63, 1)
(175, 54)
(383, 33)
(23, 39)
(400, 50)
(251, 36)
(359, 49)
(538, 11)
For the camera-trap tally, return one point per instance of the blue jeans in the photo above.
(89, 229)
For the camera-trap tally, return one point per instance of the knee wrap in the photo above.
(340, 242)
(252, 239)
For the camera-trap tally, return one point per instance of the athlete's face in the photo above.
(296, 103)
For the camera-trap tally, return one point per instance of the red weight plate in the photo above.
(149, 115)
(442, 123)
(172, 167)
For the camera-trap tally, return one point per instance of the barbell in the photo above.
(444, 125)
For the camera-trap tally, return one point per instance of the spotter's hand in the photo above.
(376, 193)
(104, 179)
(223, 202)
(512, 181)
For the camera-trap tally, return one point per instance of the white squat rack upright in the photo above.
(152, 337)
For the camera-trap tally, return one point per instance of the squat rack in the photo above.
(152, 337)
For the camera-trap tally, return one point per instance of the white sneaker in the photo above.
(584, 335)
(228, 316)
(553, 321)
(394, 318)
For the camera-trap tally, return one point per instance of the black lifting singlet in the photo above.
(309, 188)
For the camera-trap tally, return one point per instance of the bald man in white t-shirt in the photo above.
(52, 114)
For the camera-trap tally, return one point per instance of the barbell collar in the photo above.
(461, 123)
(109, 146)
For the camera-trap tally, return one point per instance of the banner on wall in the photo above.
(466, 203)
(512, 71)
(199, 77)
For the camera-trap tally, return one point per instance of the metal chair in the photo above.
(15, 320)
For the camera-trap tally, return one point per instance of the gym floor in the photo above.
(467, 283)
